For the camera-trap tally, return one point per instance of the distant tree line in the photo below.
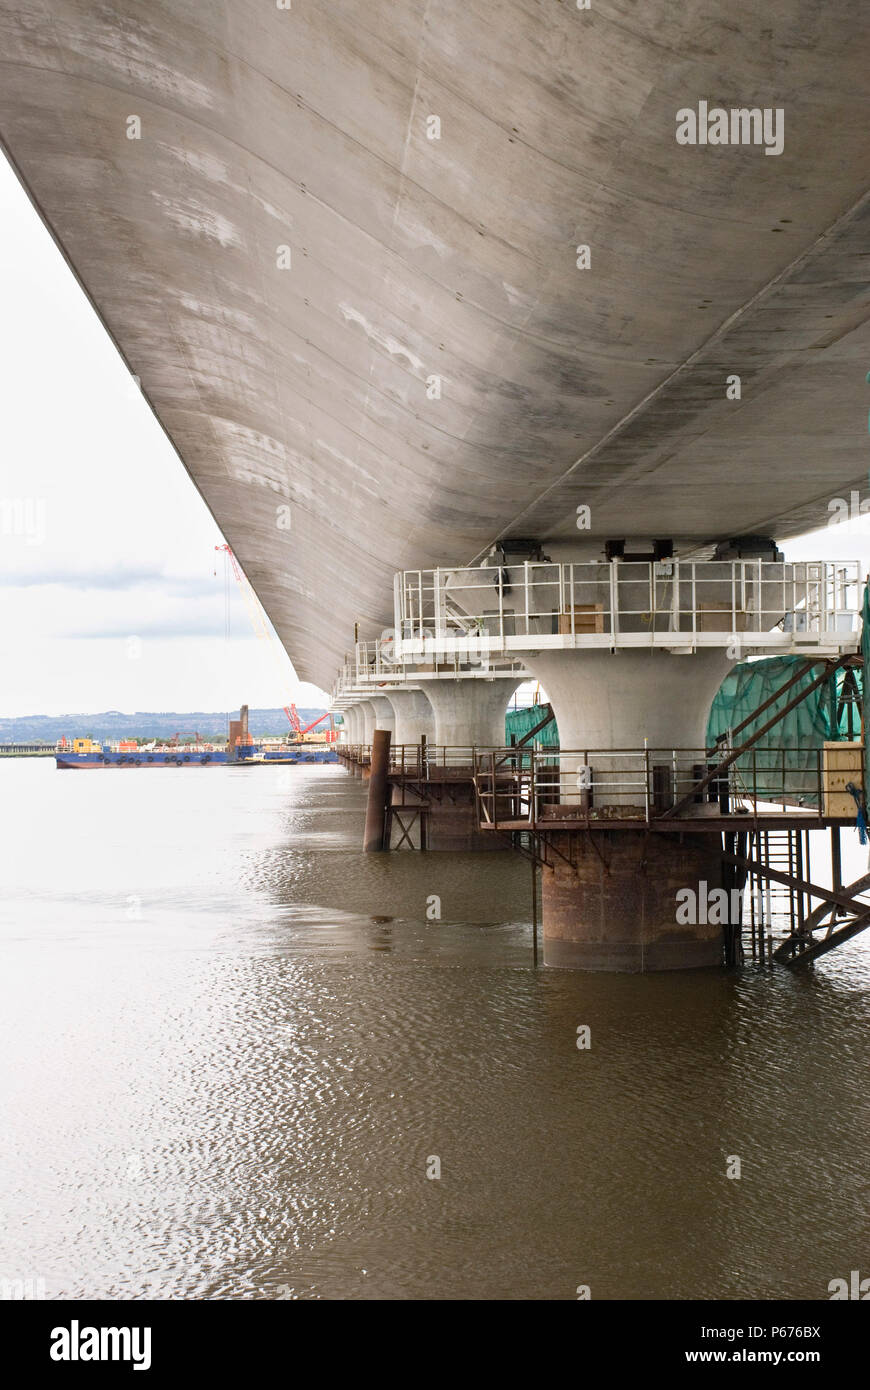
(144, 725)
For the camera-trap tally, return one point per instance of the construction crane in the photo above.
(297, 724)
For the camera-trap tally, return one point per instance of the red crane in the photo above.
(293, 716)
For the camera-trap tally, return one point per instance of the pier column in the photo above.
(367, 721)
(604, 700)
(470, 711)
(385, 717)
(613, 904)
(414, 716)
(357, 734)
(352, 724)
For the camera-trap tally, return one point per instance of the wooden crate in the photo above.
(588, 617)
(715, 617)
(841, 763)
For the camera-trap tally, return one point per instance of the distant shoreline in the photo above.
(109, 725)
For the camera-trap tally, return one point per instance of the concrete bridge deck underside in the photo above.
(286, 261)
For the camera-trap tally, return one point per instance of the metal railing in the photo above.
(375, 666)
(384, 662)
(435, 759)
(597, 785)
(422, 760)
(478, 621)
(354, 752)
(475, 611)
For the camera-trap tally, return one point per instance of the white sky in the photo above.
(103, 536)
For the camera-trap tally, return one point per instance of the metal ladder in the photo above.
(776, 911)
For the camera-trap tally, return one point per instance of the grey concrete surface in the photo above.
(410, 258)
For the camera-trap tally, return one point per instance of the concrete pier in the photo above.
(385, 717)
(368, 720)
(352, 724)
(451, 813)
(630, 654)
(615, 909)
(469, 712)
(605, 700)
(414, 715)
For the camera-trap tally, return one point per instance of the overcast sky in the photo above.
(108, 596)
(103, 536)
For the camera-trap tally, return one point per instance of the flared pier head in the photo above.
(353, 736)
(469, 711)
(414, 715)
(359, 718)
(611, 700)
(367, 720)
(385, 715)
(352, 725)
(611, 902)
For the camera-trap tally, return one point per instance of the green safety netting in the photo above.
(865, 652)
(519, 722)
(786, 759)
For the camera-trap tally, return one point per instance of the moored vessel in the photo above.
(88, 753)
(240, 749)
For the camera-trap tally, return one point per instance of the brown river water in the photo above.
(233, 1045)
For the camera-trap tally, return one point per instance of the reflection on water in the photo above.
(231, 1043)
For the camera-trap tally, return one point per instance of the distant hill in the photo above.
(112, 724)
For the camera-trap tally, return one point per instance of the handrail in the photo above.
(761, 782)
(628, 783)
(486, 609)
